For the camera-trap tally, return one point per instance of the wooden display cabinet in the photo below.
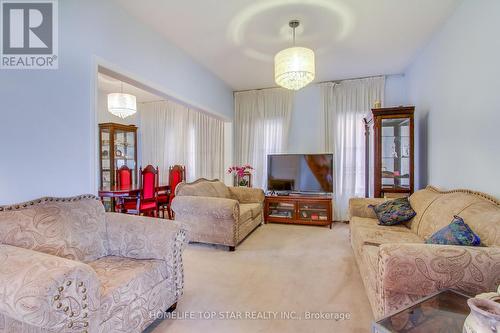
(117, 147)
(299, 209)
(390, 152)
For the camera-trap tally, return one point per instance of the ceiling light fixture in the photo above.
(294, 67)
(122, 105)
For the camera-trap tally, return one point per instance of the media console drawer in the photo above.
(299, 209)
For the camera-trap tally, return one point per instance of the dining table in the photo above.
(119, 193)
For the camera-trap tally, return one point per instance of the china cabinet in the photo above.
(117, 147)
(389, 169)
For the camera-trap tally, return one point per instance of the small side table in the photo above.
(444, 311)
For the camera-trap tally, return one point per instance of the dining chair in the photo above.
(176, 175)
(146, 202)
(123, 181)
(124, 177)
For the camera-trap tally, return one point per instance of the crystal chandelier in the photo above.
(122, 105)
(294, 67)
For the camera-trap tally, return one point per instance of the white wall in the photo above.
(306, 128)
(455, 83)
(47, 116)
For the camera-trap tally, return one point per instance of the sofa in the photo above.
(218, 214)
(398, 268)
(67, 266)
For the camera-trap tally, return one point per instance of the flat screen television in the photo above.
(305, 173)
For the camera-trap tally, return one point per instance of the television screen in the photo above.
(300, 172)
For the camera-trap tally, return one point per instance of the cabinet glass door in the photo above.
(125, 150)
(313, 212)
(105, 158)
(284, 210)
(396, 153)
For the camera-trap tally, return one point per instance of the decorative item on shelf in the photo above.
(377, 105)
(485, 313)
(119, 153)
(242, 175)
(294, 67)
(105, 153)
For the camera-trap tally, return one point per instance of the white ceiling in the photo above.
(108, 85)
(237, 39)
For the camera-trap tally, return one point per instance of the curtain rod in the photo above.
(334, 81)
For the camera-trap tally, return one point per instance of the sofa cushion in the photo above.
(203, 188)
(123, 280)
(479, 212)
(456, 233)
(369, 236)
(245, 212)
(394, 211)
(373, 223)
(361, 236)
(73, 229)
(255, 208)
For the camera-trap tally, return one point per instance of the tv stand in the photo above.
(302, 209)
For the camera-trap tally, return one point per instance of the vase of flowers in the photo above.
(242, 174)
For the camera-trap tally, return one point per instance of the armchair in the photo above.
(67, 266)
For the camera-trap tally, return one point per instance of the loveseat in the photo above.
(218, 214)
(398, 268)
(67, 266)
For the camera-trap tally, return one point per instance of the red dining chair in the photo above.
(176, 175)
(123, 181)
(146, 203)
(124, 177)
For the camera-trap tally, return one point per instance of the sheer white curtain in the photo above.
(262, 122)
(344, 105)
(171, 133)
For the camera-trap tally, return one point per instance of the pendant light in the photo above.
(294, 67)
(122, 105)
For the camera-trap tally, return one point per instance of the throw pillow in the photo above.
(455, 233)
(394, 212)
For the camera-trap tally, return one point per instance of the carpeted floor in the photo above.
(279, 270)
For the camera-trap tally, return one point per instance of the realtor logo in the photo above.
(29, 38)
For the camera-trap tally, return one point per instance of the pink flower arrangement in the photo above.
(239, 170)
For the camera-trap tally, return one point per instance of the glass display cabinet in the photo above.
(117, 147)
(389, 152)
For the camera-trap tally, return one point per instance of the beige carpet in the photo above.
(286, 269)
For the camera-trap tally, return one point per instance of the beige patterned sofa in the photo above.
(398, 268)
(67, 266)
(216, 213)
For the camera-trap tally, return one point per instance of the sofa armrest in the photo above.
(422, 269)
(215, 208)
(247, 194)
(141, 237)
(47, 291)
(359, 207)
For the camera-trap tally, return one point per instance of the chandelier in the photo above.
(122, 105)
(294, 67)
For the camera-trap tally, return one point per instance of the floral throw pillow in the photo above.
(455, 233)
(394, 212)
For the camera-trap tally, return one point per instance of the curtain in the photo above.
(262, 122)
(344, 106)
(171, 133)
